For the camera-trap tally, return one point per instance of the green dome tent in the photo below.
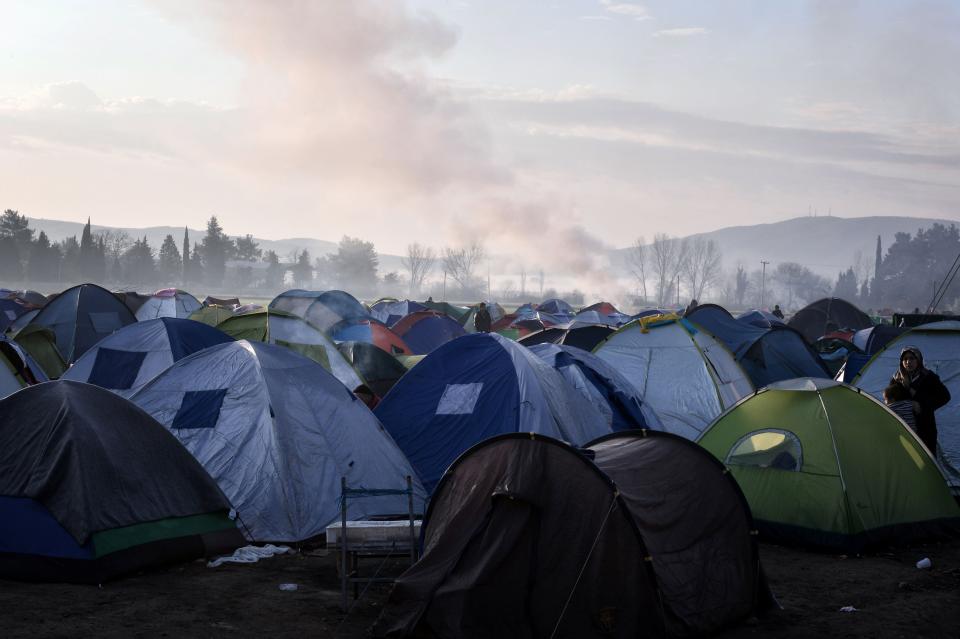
(297, 334)
(826, 465)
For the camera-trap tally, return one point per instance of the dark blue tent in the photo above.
(613, 395)
(10, 309)
(425, 331)
(473, 388)
(760, 319)
(558, 308)
(766, 355)
(81, 316)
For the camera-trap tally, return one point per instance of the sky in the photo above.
(541, 128)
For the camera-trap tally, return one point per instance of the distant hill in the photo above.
(824, 244)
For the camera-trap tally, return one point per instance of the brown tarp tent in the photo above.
(641, 534)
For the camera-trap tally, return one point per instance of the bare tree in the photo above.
(540, 279)
(637, 263)
(702, 265)
(507, 290)
(523, 281)
(742, 283)
(116, 242)
(460, 264)
(667, 256)
(419, 262)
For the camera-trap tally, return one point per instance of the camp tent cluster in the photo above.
(667, 444)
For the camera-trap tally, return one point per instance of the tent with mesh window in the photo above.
(823, 464)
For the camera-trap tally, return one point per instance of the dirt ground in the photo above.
(891, 596)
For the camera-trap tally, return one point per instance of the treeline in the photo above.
(113, 257)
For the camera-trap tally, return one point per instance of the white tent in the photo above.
(940, 344)
(684, 374)
(277, 432)
(168, 302)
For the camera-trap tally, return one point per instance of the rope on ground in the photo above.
(586, 560)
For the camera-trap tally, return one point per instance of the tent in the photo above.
(473, 388)
(824, 464)
(226, 302)
(277, 432)
(827, 315)
(17, 368)
(760, 319)
(456, 312)
(92, 488)
(641, 535)
(286, 329)
(331, 310)
(868, 341)
(168, 302)
(10, 310)
(686, 376)
(391, 311)
(940, 344)
(81, 316)
(21, 321)
(585, 336)
(378, 369)
(597, 381)
(766, 354)
(557, 307)
(126, 360)
(211, 315)
(295, 301)
(373, 332)
(602, 313)
(496, 313)
(41, 343)
(132, 299)
(423, 331)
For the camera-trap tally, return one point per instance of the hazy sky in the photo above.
(546, 128)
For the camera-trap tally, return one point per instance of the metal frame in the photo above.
(350, 559)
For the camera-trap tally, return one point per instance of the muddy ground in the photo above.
(891, 596)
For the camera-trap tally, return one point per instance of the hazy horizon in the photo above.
(539, 128)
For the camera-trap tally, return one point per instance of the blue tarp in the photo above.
(430, 332)
(766, 355)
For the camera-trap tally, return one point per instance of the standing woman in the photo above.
(925, 389)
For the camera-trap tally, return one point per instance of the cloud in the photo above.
(596, 18)
(633, 10)
(683, 32)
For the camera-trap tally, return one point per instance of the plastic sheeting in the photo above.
(126, 360)
(497, 386)
(283, 434)
(685, 375)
